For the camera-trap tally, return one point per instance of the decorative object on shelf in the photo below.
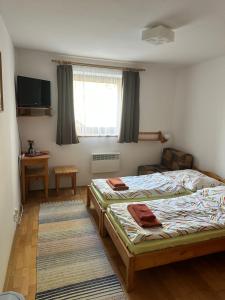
(157, 136)
(167, 136)
(1, 86)
(31, 151)
(35, 154)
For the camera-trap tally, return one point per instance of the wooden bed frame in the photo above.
(156, 258)
(92, 198)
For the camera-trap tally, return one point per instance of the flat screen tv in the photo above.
(33, 92)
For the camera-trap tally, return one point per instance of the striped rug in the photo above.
(71, 262)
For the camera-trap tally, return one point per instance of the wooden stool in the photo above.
(65, 171)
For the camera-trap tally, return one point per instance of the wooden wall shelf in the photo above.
(152, 136)
(33, 111)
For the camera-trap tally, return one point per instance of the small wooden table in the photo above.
(66, 171)
(40, 170)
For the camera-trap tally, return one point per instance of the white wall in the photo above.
(199, 113)
(9, 149)
(156, 97)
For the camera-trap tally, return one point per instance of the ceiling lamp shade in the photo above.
(158, 35)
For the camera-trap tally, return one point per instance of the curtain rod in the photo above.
(64, 62)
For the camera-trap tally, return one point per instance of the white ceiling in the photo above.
(111, 29)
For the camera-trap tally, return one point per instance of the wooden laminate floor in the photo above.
(197, 279)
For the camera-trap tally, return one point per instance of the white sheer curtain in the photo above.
(97, 101)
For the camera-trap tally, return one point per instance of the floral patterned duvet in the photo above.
(146, 186)
(201, 211)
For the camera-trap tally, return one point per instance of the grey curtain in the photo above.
(66, 132)
(130, 110)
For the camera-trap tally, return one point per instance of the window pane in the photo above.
(97, 103)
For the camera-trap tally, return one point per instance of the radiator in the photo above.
(105, 162)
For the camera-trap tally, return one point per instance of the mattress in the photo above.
(208, 222)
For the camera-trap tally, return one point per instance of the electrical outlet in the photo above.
(16, 215)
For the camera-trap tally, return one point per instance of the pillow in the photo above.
(193, 180)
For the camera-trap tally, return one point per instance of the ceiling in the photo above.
(111, 29)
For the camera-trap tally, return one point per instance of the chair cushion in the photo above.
(149, 169)
(174, 159)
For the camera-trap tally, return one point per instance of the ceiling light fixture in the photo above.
(158, 35)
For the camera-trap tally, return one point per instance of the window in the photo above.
(97, 101)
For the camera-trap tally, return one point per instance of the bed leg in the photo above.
(88, 202)
(102, 229)
(130, 273)
(104, 232)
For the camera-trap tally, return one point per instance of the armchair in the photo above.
(171, 160)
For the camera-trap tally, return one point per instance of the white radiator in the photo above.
(105, 162)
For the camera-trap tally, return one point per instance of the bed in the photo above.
(193, 225)
(147, 187)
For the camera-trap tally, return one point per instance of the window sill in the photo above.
(94, 136)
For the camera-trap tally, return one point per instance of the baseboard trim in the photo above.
(10, 257)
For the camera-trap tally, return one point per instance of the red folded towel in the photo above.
(118, 188)
(143, 212)
(116, 182)
(142, 223)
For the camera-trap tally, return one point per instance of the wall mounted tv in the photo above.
(33, 92)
